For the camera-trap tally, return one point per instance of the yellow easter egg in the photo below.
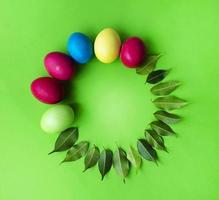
(107, 45)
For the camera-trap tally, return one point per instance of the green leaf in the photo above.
(165, 88)
(169, 102)
(161, 128)
(121, 163)
(149, 65)
(134, 157)
(76, 152)
(105, 162)
(155, 140)
(167, 117)
(91, 158)
(66, 140)
(156, 76)
(146, 150)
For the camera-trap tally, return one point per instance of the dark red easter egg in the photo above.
(132, 52)
(59, 65)
(47, 90)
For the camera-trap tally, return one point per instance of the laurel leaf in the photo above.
(121, 163)
(155, 140)
(105, 162)
(169, 102)
(165, 88)
(149, 65)
(66, 140)
(156, 76)
(91, 158)
(161, 128)
(134, 158)
(76, 152)
(146, 150)
(167, 117)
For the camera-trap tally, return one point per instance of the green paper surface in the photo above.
(113, 106)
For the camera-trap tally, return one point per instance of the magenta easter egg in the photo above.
(132, 52)
(47, 90)
(59, 65)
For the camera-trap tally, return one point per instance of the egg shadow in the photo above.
(70, 99)
(77, 109)
(148, 42)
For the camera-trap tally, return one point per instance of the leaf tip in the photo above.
(61, 162)
(84, 170)
(165, 149)
(53, 151)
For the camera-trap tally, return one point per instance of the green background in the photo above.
(112, 104)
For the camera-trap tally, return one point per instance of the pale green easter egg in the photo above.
(57, 119)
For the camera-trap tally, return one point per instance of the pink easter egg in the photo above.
(47, 90)
(59, 65)
(132, 52)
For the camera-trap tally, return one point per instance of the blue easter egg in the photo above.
(80, 47)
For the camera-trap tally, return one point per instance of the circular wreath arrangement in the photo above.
(60, 117)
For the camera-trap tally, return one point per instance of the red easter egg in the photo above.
(132, 52)
(59, 65)
(47, 90)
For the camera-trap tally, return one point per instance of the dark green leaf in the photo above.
(76, 152)
(165, 88)
(156, 76)
(121, 163)
(91, 158)
(155, 140)
(149, 65)
(105, 162)
(161, 128)
(66, 140)
(134, 157)
(167, 117)
(169, 102)
(146, 150)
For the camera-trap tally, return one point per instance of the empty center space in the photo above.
(113, 105)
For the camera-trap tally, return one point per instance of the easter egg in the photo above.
(132, 52)
(57, 119)
(47, 90)
(59, 65)
(107, 45)
(80, 47)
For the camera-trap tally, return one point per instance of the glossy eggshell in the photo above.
(132, 52)
(107, 45)
(80, 47)
(59, 65)
(57, 119)
(47, 90)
